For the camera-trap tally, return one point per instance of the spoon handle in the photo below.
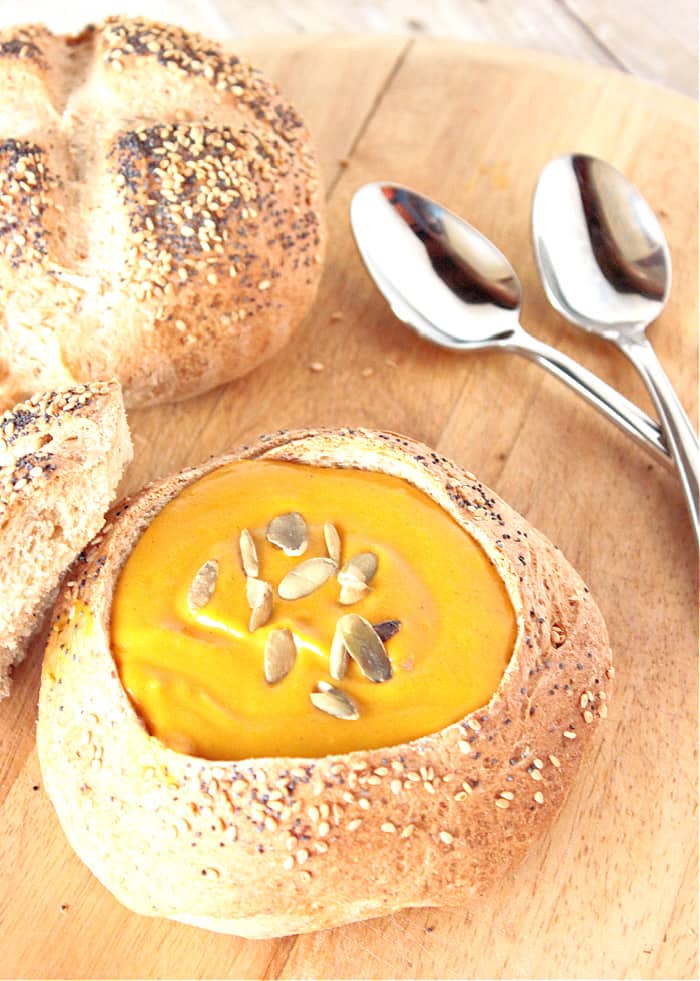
(682, 441)
(625, 414)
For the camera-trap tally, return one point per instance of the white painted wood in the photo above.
(656, 39)
(651, 38)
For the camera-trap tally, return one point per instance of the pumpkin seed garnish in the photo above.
(362, 566)
(249, 554)
(334, 702)
(365, 647)
(338, 660)
(352, 590)
(280, 655)
(289, 532)
(306, 578)
(332, 540)
(387, 629)
(203, 585)
(259, 596)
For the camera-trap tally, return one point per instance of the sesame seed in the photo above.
(429, 787)
(354, 824)
(538, 763)
(461, 795)
(584, 700)
(568, 734)
(288, 863)
(323, 829)
(474, 724)
(395, 786)
(603, 711)
(538, 797)
(302, 856)
(507, 795)
(463, 746)
(503, 804)
(446, 838)
(554, 761)
(408, 831)
(535, 774)
(588, 716)
(467, 787)
(388, 828)
(610, 672)
(213, 279)
(363, 803)
(264, 284)
(305, 876)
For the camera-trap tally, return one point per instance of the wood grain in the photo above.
(611, 891)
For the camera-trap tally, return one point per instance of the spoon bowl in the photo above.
(602, 253)
(441, 267)
(455, 288)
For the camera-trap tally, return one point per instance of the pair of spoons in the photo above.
(605, 265)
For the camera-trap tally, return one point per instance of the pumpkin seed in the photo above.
(203, 585)
(352, 590)
(362, 566)
(249, 554)
(365, 647)
(289, 532)
(259, 596)
(280, 655)
(387, 629)
(306, 578)
(338, 661)
(334, 702)
(332, 539)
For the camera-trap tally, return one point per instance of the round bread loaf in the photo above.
(271, 846)
(161, 212)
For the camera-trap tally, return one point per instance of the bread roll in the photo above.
(161, 212)
(269, 846)
(62, 455)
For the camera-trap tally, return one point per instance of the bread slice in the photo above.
(62, 455)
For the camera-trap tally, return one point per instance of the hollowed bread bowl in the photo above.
(271, 846)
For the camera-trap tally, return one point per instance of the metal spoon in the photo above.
(606, 267)
(452, 285)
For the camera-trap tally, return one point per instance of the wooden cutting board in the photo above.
(611, 891)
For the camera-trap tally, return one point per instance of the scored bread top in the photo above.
(160, 211)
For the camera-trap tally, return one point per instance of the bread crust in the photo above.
(162, 212)
(62, 455)
(267, 847)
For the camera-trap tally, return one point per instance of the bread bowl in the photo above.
(271, 845)
(162, 212)
(62, 455)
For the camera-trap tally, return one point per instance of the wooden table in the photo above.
(654, 39)
(611, 891)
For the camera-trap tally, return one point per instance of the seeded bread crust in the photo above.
(62, 455)
(161, 212)
(268, 847)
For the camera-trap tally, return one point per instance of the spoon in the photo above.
(452, 285)
(606, 267)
